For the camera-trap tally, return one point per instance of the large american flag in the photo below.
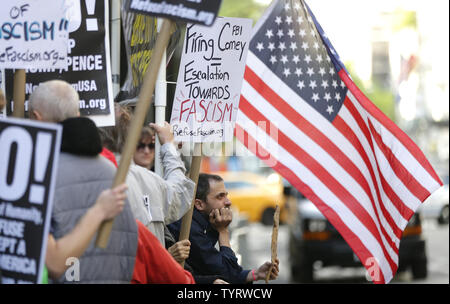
(301, 113)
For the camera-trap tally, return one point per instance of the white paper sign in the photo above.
(33, 34)
(210, 79)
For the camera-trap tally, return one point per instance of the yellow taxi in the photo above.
(255, 195)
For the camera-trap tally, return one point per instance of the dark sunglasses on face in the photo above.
(142, 146)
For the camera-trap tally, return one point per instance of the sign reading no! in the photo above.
(28, 162)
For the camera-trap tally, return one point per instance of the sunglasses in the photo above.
(142, 146)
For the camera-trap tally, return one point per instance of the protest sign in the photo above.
(33, 34)
(28, 163)
(88, 63)
(139, 33)
(209, 80)
(194, 11)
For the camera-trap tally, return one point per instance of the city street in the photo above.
(258, 251)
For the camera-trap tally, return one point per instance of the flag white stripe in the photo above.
(388, 173)
(326, 195)
(400, 151)
(394, 182)
(323, 158)
(395, 213)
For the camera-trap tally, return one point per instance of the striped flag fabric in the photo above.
(302, 114)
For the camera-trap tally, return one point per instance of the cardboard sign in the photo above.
(88, 69)
(193, 11)
(33, 34)
(210, 79)
(28, 164)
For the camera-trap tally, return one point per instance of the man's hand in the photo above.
(220, 219)
(220, 281)
(261, 272)
(180, 250)
(111, 202)
(165, 132)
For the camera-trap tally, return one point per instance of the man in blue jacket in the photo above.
(210, 220)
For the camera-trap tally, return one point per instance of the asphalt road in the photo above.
(255, 250)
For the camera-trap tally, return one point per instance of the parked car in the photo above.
(255, 195)
(313, 238)
(436, 206)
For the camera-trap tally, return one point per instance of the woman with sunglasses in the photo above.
(145, 150)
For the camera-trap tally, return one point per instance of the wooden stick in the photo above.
(193, 175)
(137, 122)
(19, 93)
(276, 223)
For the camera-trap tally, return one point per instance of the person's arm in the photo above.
(220, 220)
(108, 205)
(261, 272)
(177, 189)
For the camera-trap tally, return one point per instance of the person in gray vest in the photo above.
(82, 176)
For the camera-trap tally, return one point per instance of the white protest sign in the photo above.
(33, 34)
(210, 79)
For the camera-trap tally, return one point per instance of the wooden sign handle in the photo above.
(276, 223)
(19, 93)
(137, 122)
(193, 175)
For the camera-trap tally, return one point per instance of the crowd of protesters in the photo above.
(147, 209)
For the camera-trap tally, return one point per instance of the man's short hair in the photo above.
(203, 185)
(55, 100)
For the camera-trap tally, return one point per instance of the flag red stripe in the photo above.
(319, 138)
(388, 124)
(403, 209)
(402, 173)
(352, 239)
(342, 126)
(365, 130)
(322, 174)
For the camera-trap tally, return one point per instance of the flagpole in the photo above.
(194, 172)
(19, 93)
(115, 45)
(160, 105)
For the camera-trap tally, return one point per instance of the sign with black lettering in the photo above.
(28, 163)
(88, 63)
(33, 34)
(193, 11)
(209, 80)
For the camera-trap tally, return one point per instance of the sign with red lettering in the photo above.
(209, 80)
